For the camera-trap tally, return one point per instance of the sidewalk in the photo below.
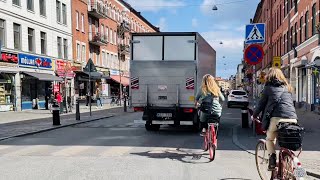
(8, 117)
(18, 123)
(310, 156)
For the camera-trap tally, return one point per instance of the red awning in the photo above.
(124, 80)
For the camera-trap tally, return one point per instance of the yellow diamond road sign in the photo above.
(276, 62)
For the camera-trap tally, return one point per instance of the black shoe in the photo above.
(272, 162)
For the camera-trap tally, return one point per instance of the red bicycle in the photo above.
(210, 140)
(288, 166)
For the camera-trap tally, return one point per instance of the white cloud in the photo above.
(156, 5)
(194, 22)
(241, 28)
(206, 6)
(162, 24)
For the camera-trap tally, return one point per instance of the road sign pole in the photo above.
(90, 88)
(254, 99)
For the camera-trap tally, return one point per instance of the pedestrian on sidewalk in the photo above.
(277, 103)
(98, 97)
(58, 98)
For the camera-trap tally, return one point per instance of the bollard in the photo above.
(77, 110)
(125, 104)
(55, 115)
(245, 119)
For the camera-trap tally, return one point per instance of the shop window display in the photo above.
(6, 92)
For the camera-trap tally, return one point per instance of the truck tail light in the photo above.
(190, 83)
(138, 109)
(188, 110)
(134, 83)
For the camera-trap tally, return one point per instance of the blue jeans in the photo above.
(99, 101)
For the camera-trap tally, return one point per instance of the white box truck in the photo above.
(166, 69)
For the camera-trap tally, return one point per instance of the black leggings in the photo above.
(210, 118)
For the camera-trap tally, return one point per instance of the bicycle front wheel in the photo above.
(262, 161)
(212, 151)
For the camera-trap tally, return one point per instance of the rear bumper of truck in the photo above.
(170, 116)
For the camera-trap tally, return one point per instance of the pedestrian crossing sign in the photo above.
(255, 33)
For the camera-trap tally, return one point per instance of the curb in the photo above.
(53, 128)
(239, 145)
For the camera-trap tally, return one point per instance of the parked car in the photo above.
(238, 99)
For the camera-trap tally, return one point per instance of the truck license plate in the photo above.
(299, 172)
(164, 115)
(162, 97)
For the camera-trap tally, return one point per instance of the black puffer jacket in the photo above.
(271, 93)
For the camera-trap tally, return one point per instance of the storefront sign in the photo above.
(114, 72)
(9, 58)
(64, 69)
(35, 61)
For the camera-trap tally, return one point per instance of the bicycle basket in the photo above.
(290, 136)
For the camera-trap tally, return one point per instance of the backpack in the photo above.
(207, 104)
(290, 136)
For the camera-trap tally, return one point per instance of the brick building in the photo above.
(291, 34)
(101, 32)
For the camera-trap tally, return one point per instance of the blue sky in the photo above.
(226, 25)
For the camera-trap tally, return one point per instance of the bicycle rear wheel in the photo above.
(287, 167)
(212, 145)
(205, 143)
(262, 161)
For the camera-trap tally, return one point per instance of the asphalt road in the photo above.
(116, 148)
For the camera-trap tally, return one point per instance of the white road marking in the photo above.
(116, 151)
(28, 150)
(71, 151)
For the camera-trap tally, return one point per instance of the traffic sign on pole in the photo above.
(276, 62)
(253, 54)
(255, 33)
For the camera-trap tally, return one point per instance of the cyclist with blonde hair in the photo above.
(209, 97)
(277, 104)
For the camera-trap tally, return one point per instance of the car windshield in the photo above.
(239, 93)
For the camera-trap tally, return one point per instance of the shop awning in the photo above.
(124, 80)
(43, 76)
(94, 75)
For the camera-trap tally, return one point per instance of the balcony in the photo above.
(97, 39)
(123, 49)
(98, 9)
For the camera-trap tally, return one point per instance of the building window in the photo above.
(306, 34)
(78, 52)
(65, 48)
(31, 39)
(2, 33)
(107, 34)
(98, 57)
(77, 20)
(295, 6)
(102, 31)
(288, 42)
(58, 11)
(43, 37)
(301, 29)
(59, 45)
(296, 34)
(280, 46)
(82, 22)
(30, 5)
(284, 43)
(64, 13)
(111, 37)
(42, 4)
(291, 37)
(115, 37)
(17, 36)
(314, 11)
(16, 2)
(83, 53)
(103, 58)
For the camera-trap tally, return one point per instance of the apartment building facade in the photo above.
(292, 34)
(34, 34)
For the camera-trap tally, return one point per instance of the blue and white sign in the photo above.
(35, 61)
(255, 33)
(114, 72)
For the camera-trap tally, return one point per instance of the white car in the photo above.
(238, 98)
